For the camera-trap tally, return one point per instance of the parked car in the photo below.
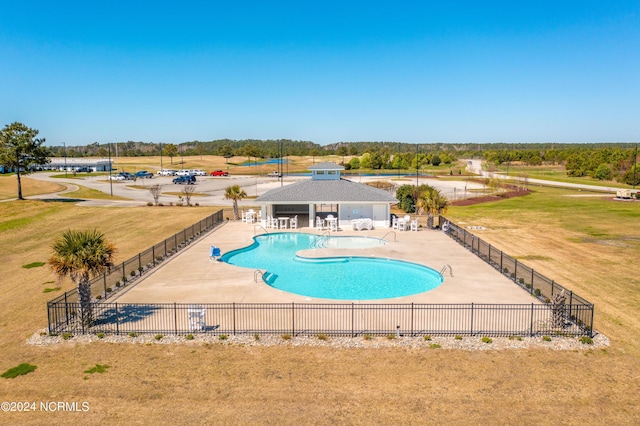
(116, 177)
(126, 175)
(219, 173)
(198, 172)
(143, 174)
(274, 174)
(185, 180)
(167, 172)
(183, 173)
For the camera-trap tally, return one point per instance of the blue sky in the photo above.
(325, 71)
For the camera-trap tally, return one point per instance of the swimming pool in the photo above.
(341, 278)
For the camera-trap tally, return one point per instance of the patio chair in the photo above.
(274, 222)
(197, 318)
(319, 223)
(414, 225)
(293, 222)
(214, 253)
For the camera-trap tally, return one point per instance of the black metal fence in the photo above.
(579, 310)
(573, 317)
(125, 274)
(296, 319)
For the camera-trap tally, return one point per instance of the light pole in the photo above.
(64, 145)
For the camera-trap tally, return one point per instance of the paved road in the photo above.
(475, 166)
(211, 190)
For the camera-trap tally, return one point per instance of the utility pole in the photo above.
(417, 166)
(110, 180)
(635, 168)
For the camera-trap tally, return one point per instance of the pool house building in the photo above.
(328, 195)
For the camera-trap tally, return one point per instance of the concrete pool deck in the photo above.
(190, 277)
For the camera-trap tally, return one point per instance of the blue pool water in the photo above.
(342, 278)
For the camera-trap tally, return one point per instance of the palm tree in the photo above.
(82, 255)
(432, 200)
(234, 193)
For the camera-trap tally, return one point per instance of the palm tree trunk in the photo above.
(86, 310)
(235, 209)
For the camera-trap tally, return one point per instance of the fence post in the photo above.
(117, 321)
(570, 304)
(532, 277)
(104, 282)
(553, 284)
(124, 273)
(140, 263)
(165, 248)
(234, 317)
(153, 255)
(501, 255)
(515, 272)
(352, 321)
(591, 325)
(411, 319)
(175, 316)
(66, 308)
(471, 330)
(531, 329)
(49, 317)
(293, 319)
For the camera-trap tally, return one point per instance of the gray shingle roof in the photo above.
(326, 165)
(326, 191)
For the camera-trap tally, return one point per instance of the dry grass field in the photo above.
(588, 244)
(30, 187)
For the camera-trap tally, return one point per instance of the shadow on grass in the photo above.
(62, 200)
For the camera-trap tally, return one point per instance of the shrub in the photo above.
(97, 369)
(49, 289)
(158, 336)
(256, 336)
(519, 338)
(513, 276)
(223, 337)
(140, 269)
(487, 340)
(124, 279)
(149, 203)
(521, 280)
(323, 337)
(529, 285)
(99, 297)
(189, 337)
(100, 335)
(537, 292)
(546, 338)
(434, 346)
(547, 300)
(286, 337)
(586, 340)
(391, 336)
(505, 270)
(117, 283)
(109, 289)
(133, 334)
(132, 273)
(160, 204)
(458, 337)
(67, 336)
(20, 370)
(367, 336)
(427, 337)
(33, 265)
